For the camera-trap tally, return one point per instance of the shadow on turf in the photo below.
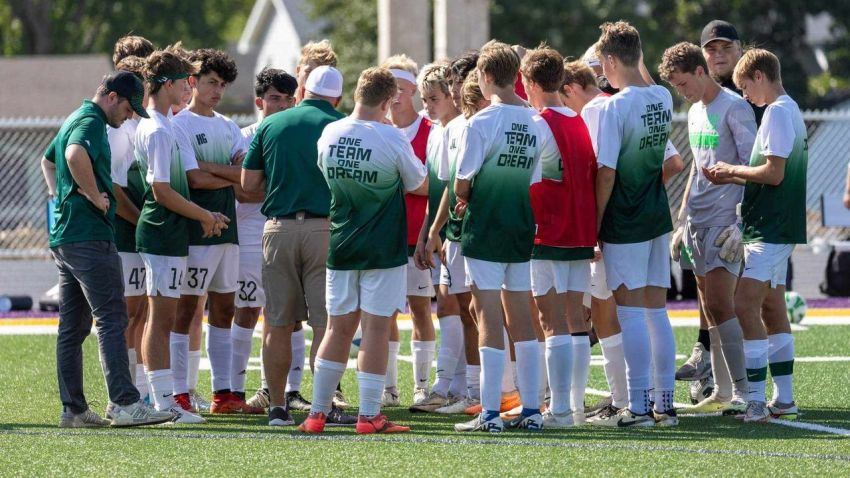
(441, 426)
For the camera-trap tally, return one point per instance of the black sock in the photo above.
(704, 338)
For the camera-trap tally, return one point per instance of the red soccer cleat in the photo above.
(228, 403)
(314, 423)
(378, 424)
(182, 400)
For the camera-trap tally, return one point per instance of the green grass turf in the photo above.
(31, 445)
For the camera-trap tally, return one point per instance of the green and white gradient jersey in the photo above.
(125, 173)
(452, 134)
(777, 214)
(499, 153)
(436, 186)
(213, 139)
(723, 130)
(160, 231)
(634, 128)
(368, 166)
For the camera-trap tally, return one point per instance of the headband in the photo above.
(164, 78)
(403, 75)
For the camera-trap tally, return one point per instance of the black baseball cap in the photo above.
(128, 85)
(718, 30)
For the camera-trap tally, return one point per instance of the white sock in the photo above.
(327, 375)
(451, 348)
(179, 355)
(132, 360)
(637, 351)
(544, 374)
(142, 384)
(559, 357)
(755, 353)
(263, 383)
(459, 387)
(781, 357)
(615, 369)
(296, 369)
(492, 371)
(220, 352)
(392, 366)
(528, 382)
(241, 338)
(473, 382)
(192, 369)
(423, 357)
(162, 388)
(581, 369)
(371, 389)
(663, 357)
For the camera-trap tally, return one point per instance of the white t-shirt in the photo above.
(249, 219)
(777, 133)
(411, 130)
(121, 146)
(155, 147)
(450, 146)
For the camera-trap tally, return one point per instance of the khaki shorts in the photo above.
(294, 255)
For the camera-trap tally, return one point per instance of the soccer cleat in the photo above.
(557, 420)
(199, 403)
(510, 401)
(260, 399)
(378, 424)
(458, 407)
(474, 409)
(478, 424)
(419, 395)
(185, 402)
(389, 399)
(294, 401)
(337, 418)
(579, 419)
(185, 417)
(314, 423)
(340, 401)
(698, 365)
(783, 411)
(737, 407)
(666, 419)
(532, 422)
(227, 403)
(602, 403)
(757, 412)
(430, 403)
(605, 413)
(137, 414)
(87, 419)
(280, 417)
(712, 404)
(624, 419)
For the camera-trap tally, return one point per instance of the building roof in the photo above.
(49, 85)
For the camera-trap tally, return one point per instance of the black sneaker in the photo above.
(279, 417)
(295, 401)
(338, 418)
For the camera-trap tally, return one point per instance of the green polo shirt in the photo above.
(284, 148)
(77, 219)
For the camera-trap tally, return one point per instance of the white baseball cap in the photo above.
(326, 81)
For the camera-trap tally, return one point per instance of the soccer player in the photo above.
(564, 207)
(275, 92)
(420, 288)
(774, 221)
(295, 237)
(162, 233)
(210, 143)
(450, 385)
(634, 225)
(128, 191)
(368, 165)
(721, 127)
(499, 154)
(76, 167)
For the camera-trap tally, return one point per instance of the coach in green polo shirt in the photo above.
(77, 169)
(284, 156)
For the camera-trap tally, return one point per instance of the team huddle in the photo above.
(528, 198)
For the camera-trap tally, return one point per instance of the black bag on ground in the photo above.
(836, 281)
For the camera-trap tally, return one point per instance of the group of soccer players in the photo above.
(528, 197)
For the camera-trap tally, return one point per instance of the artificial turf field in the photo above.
(32, 445)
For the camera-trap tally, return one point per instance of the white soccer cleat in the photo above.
(557, 420)
(666, 419)
(783, 411)
(478, 424)
(757, 412)
(698, 365)
(533, 423)
(137, 414)
(623, 419)
(185, 417)
(260, 399)
(457, 407)
(389, 399)
(430, 403)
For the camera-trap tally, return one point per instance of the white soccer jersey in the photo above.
(214, 139)
(249, 219)
(121, 146)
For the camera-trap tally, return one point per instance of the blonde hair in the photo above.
(133, 64)
(754, 60)
(434, 76)
(319, 53)
(375, 85)
(401, 62)
(471, 95)
(498, 60)
(167, 62)
(131, 45)
(577, 72)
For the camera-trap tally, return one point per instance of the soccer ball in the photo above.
(795, 304)
(699, 390)
(355, 344)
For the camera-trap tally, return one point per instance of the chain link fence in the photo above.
(23, 195)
